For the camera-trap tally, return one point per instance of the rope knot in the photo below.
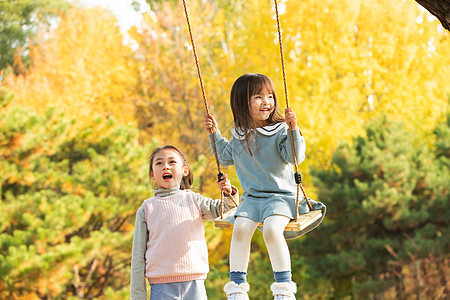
(219, 176)
(298, 177)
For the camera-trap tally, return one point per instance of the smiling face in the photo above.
(251, 97)
(168, 168)
(261, 106)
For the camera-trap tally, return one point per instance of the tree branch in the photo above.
(438, 8)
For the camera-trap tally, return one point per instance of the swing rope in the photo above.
(205, 101)
(297, 175)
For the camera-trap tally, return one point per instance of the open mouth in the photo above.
(167, 176)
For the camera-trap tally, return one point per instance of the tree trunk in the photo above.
(438, 8)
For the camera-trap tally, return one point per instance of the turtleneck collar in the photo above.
(166, 192)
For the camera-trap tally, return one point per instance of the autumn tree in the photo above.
(171, 105)
(344, 64)
(19, 22)
(81, 68)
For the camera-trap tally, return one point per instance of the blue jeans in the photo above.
(186, 290)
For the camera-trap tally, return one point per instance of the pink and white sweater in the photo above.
(169, 242)
(176, 246)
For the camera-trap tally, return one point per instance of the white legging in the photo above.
(273, 237)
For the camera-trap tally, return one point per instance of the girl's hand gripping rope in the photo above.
(291, 118)
(225, 184)
(210, 124)
(226, 187)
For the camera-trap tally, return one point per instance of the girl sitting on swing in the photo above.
(260, 149)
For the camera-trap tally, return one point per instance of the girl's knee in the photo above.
(243, 231)
(272, 234)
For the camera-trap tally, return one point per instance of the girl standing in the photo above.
(169, 245)
(260, 149)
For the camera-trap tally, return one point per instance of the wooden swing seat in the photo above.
(302, 222)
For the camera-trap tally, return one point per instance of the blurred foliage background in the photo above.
(80, 109)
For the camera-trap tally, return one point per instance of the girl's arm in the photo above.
(299, 140)
(222, 146)
(211, 208)
(284, 144)
(138, 287)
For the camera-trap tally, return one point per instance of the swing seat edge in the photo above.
(303, 221)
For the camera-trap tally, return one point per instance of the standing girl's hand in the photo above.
(225, 184)
(291, 118)
(210, 123)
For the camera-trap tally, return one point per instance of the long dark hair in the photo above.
(242, 90)
(187, 180)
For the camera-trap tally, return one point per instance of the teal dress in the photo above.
(266, 176)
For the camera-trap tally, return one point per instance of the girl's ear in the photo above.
(151, 175)
(185, 171)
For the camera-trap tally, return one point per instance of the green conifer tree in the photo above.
(386, 195)
(68, 197)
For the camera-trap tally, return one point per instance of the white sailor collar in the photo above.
(269, 130)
